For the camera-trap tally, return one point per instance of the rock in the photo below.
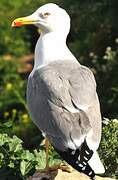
(62, 175)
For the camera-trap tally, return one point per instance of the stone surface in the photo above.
(62, 175)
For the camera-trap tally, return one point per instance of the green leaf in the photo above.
(26, 155)
(25, 167)
(1, 156)
(40, 159)
(8, 124)
(11, 164)
(3, 139)
(15, 144)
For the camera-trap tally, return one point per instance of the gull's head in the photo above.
(48, 18)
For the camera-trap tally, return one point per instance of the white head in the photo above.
(48, 18)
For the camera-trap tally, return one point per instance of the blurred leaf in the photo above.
(40, 158)
(15, 144)
(25, 167)
(26, 155)
(7, 124)
(3, 139)
(11, 165)
(108, 149)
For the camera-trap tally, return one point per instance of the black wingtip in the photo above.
(79, 159)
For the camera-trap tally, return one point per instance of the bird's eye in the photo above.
(46, 14)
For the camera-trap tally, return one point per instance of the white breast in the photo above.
(51, 47)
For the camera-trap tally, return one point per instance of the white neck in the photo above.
(51, 47)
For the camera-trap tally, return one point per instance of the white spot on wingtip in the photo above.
(84, 168)
(80, 165)
(85, 158)
(79, 157)
(84, 163)
(87, 152)
(90, 173)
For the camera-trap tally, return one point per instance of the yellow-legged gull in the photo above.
(61, 93)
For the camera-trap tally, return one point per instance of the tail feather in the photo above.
(96, 164)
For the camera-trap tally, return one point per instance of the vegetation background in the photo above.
(94, 41)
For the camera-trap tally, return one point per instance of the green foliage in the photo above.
(16, 44)
(12, 94)
(12, 86)
(13, 41)
(105, 69)
(109, 147)
(14, 117)
(14, 156)
(22, 162)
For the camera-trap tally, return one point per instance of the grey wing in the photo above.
(55, 104)
(84, 96)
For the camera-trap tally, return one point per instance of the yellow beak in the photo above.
(23, 21)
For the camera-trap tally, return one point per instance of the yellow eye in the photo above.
(46, 14)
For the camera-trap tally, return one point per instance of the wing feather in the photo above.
(51, 92)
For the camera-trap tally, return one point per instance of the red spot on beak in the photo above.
(17, 24)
